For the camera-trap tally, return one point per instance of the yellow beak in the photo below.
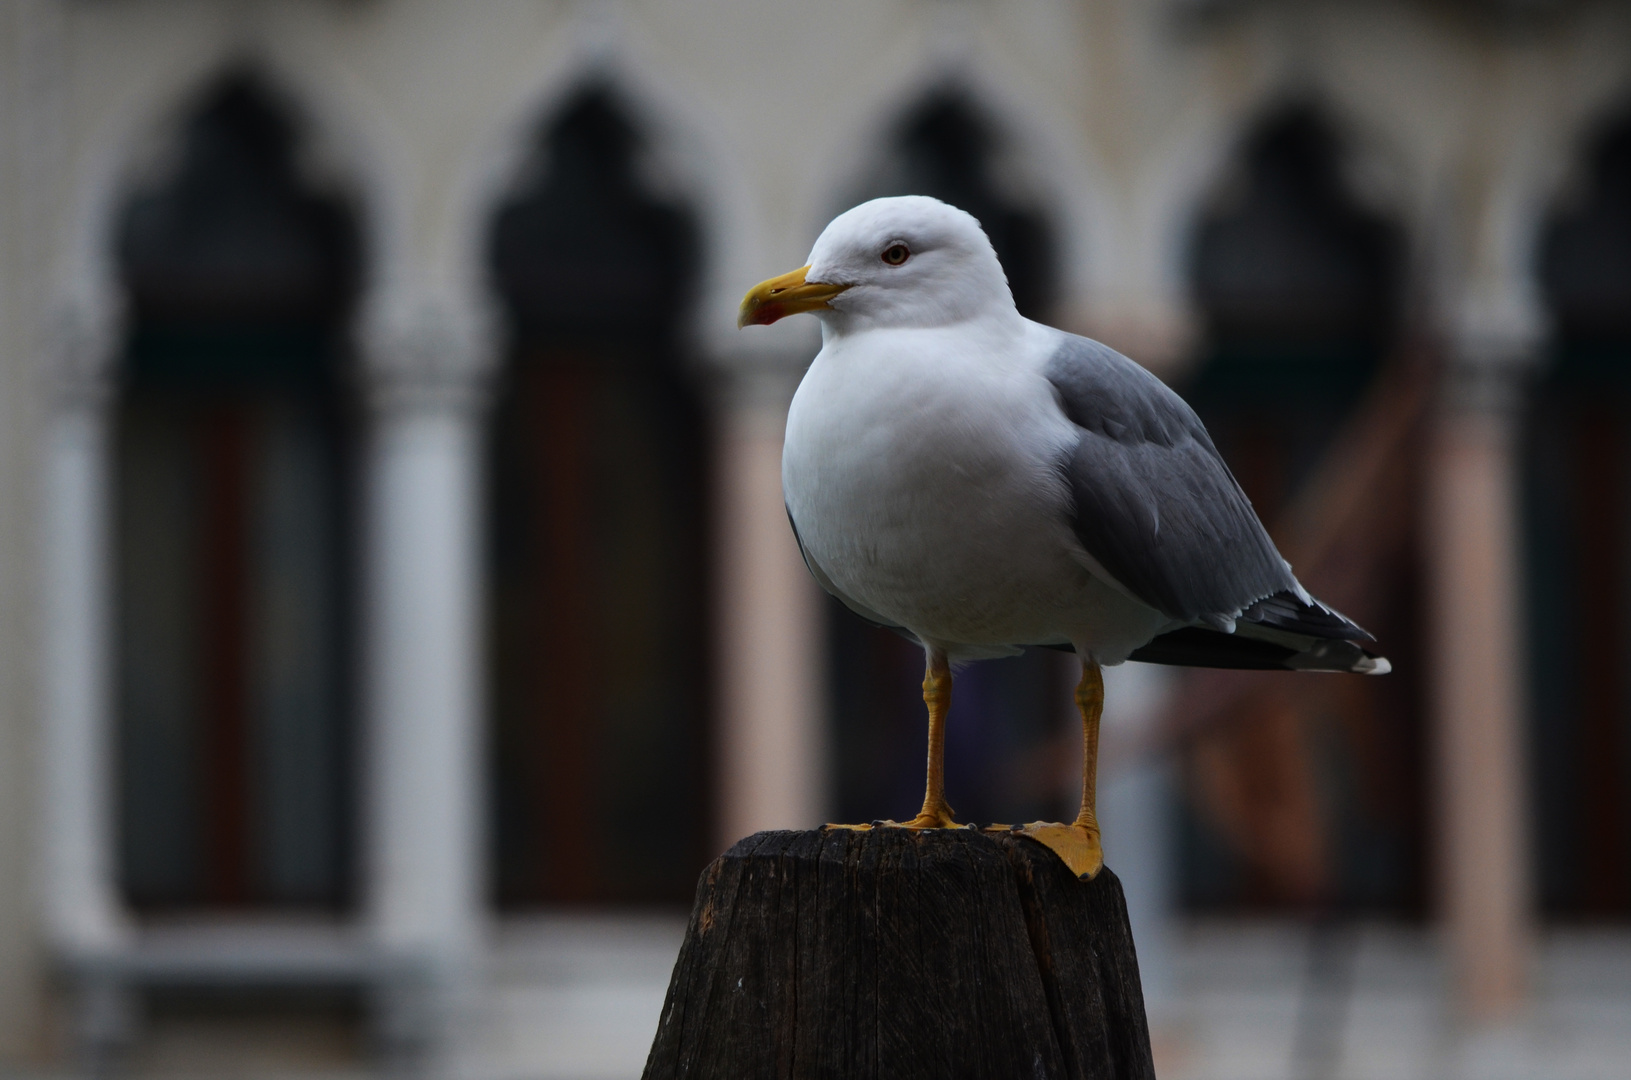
(782, 296)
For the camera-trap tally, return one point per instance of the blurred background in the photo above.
(397, 607)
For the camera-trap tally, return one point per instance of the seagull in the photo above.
(981, 482)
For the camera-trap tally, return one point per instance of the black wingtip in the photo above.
(1195, 646)
(1339, 656)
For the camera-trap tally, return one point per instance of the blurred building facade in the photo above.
(391, 540)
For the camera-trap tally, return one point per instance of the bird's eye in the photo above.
(895, 254)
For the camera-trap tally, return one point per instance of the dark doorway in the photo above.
(598, 505)
(1009, 747)
(233, 573)
(1310, 793)
(1578, 539)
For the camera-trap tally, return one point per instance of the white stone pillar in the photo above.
(771, 657)
(427, 370)
(82, 912)
(1478, 685)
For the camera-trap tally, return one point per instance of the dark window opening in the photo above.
(233, 571)
(1311, 793)
(1577, 487)
(598, 505)
(1009, 737)
(1299, 289)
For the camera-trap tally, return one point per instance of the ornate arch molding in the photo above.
(1370, 170)
(139, 148)
(1292, 160)
(681, 158)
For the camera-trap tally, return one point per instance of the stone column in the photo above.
(1478, 682)
(427, 369)
(83, 915)
(82, 911)
(771, 674)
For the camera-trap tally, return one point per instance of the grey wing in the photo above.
(1155, 505)
(827, 583)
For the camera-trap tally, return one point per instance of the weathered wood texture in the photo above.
(899, 954)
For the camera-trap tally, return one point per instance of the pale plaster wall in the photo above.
(28, 106)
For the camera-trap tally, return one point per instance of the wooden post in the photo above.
(896, 953)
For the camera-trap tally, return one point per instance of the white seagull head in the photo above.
(907, 261)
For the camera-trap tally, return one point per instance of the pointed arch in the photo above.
(1299, 287)
(681, 154)
(232, 578)
(1286, 254)
(598, 515)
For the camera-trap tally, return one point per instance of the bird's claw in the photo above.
(934, 815)
(930, 821)
(925, 820)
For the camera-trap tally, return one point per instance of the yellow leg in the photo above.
(1090, 703)
(1078, 843)
(936, 812)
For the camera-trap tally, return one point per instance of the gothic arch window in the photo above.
(598, 508)
(232, 565)
(1311, 793)
(1010, 723)
(1578, 536)
(1299, 289)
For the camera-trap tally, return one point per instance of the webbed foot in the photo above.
(1077, 844)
